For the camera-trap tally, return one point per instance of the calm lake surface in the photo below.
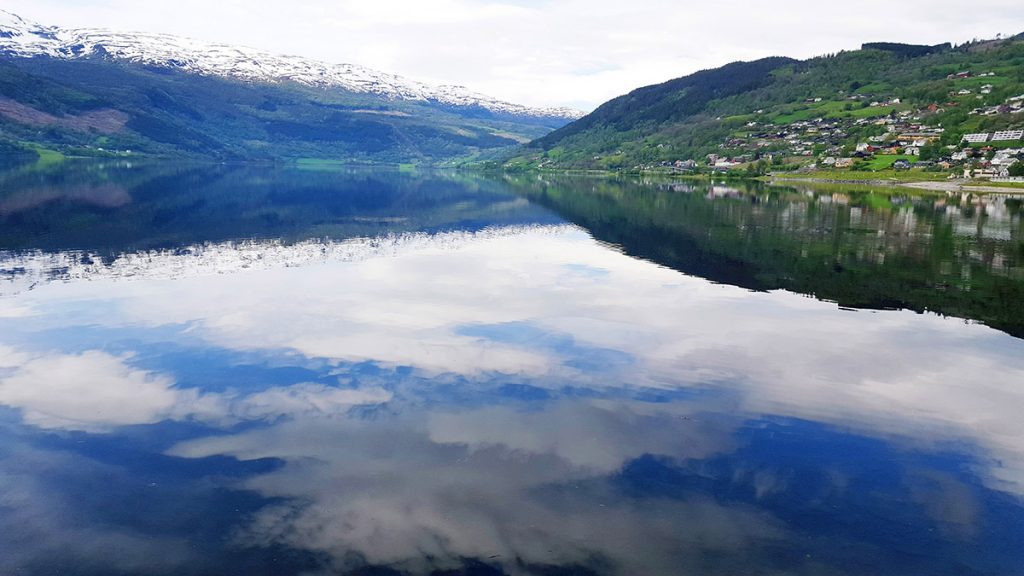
(220, 370)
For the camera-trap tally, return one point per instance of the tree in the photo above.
(930, 151)
(759, 168)
(1017, 169)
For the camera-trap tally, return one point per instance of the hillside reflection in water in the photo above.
(505, 375)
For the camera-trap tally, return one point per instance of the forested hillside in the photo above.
(778, 108)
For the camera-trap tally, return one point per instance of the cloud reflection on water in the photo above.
(421, 476)
(98, 392)
(894, 373)
(489, 484)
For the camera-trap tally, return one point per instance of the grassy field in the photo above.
(976, 82)
(47, 157)
(875, 112)
(802, 113)
(1007, 185)
(885, 161)
(830, 110)
(320, 163)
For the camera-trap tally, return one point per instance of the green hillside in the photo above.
(902, 100)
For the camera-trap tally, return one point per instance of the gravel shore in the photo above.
(933, 185)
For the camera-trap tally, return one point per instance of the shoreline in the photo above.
(959, 186)
(929, 185)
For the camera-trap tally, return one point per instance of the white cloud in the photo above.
(542, 52)
(412, 324)
(896, 374)
(602, 435)
(305, 399)
(475, 484)
(95, 391)
(87, 391)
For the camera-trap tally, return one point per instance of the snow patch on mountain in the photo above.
(21, 38)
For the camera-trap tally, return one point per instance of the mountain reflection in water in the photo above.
(478, 376)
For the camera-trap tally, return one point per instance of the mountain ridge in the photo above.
(25, 39)
(646, 103)
(97, 93)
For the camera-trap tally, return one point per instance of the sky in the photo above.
(576, 53)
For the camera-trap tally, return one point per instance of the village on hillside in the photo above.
(874, 135)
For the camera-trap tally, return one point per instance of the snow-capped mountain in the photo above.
(21, 38)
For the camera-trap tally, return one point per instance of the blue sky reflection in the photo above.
(531, 398)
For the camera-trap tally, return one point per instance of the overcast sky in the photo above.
(575, 53)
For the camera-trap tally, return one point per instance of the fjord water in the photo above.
(267, 370)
